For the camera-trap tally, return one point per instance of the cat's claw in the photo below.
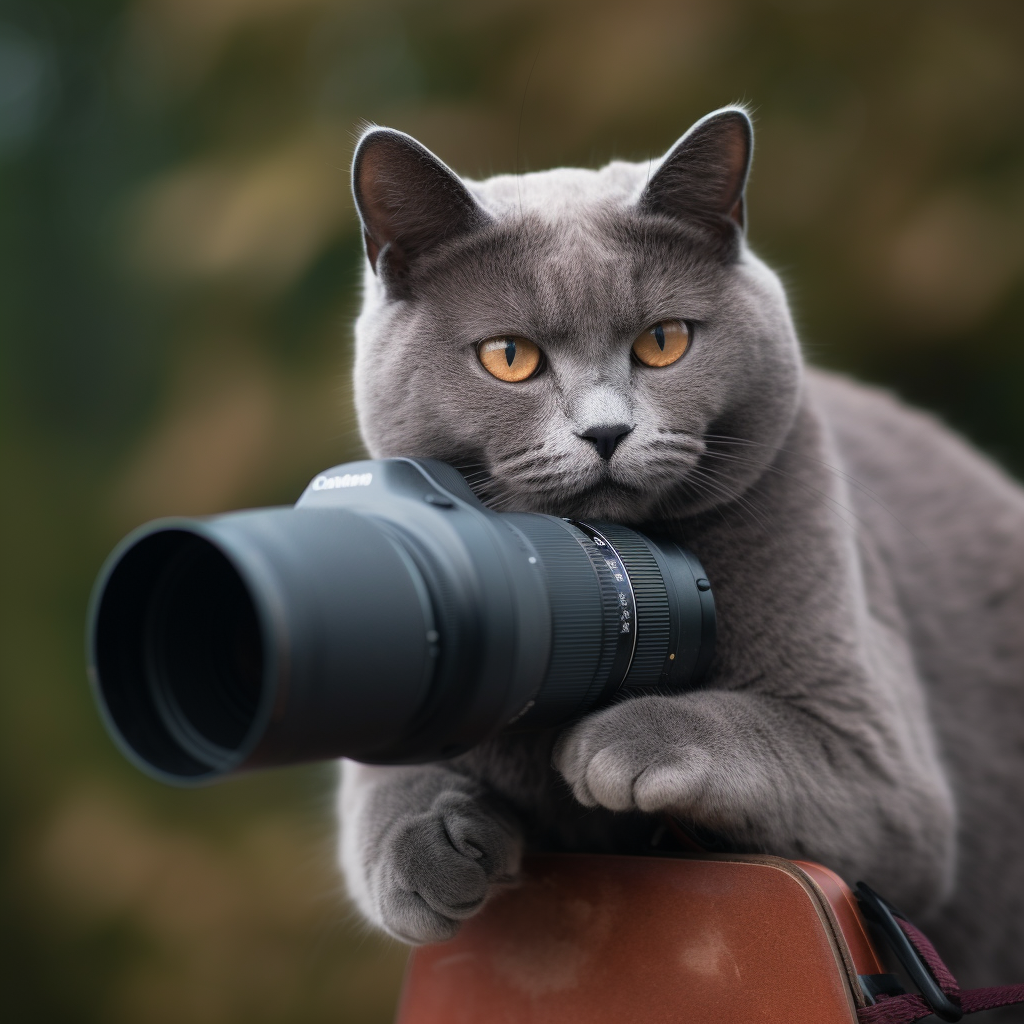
(436, 868)
(633, 756)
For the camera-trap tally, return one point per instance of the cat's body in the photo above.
(866, 704)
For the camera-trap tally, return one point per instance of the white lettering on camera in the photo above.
(329, 483)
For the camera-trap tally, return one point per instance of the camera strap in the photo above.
(951, 1003)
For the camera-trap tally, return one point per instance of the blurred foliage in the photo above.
(178, 270)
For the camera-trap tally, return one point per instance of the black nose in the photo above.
(606, 439)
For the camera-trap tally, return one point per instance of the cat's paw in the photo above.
(641, 754)
(436, 868)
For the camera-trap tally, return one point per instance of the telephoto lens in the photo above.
(388, 617)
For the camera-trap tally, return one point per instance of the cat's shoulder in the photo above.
(846, 403)
(865, 413)
(883, 438)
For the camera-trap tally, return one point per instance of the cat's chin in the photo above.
(604, 501)
(613, 504)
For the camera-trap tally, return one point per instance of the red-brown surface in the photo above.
(844, 906)
(616, 940)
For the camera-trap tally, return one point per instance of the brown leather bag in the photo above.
(704, 938)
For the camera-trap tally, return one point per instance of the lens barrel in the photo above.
(388, 617)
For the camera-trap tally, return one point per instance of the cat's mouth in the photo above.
(630, 487)
(607, 497)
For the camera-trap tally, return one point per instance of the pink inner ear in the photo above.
(373, 192)
(736, 157)
(372, 250)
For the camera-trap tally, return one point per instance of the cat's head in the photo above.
(574, 340)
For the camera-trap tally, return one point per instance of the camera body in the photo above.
(388, 617)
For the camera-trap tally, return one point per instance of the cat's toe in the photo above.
(628, 758)
(601, 756)
(571, 757)
(672, 784)
(623, 779)
(406, 916)
(438, 867)
(610, 777)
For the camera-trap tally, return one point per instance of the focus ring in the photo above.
(652, 610)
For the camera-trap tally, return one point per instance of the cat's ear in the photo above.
(702, 177)
(408, 201)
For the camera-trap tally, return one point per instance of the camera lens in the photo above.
(389, 617)
(204, 655)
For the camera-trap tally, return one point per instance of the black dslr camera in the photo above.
(388, 617)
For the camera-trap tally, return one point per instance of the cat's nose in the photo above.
(606, 439)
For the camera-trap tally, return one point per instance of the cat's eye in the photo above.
(662, 344)
(509, 358)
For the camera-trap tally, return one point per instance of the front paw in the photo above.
(641, 754)
(436, 868)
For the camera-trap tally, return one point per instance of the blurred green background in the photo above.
(178, 273)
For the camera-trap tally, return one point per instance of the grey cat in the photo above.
(866, 704)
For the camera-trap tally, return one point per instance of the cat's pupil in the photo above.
(659, 337)
(510, 350)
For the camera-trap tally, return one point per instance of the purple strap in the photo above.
(906, 1009)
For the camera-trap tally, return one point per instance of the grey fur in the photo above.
(865, 707)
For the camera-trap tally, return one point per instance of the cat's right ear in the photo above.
(408, 202)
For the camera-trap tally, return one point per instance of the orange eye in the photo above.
(509, 358)
(662, 344)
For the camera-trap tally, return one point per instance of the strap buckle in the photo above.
(880, 912)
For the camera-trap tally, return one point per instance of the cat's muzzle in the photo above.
(388, 617)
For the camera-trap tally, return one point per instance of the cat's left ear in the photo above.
(408, 200)
(703, 176)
